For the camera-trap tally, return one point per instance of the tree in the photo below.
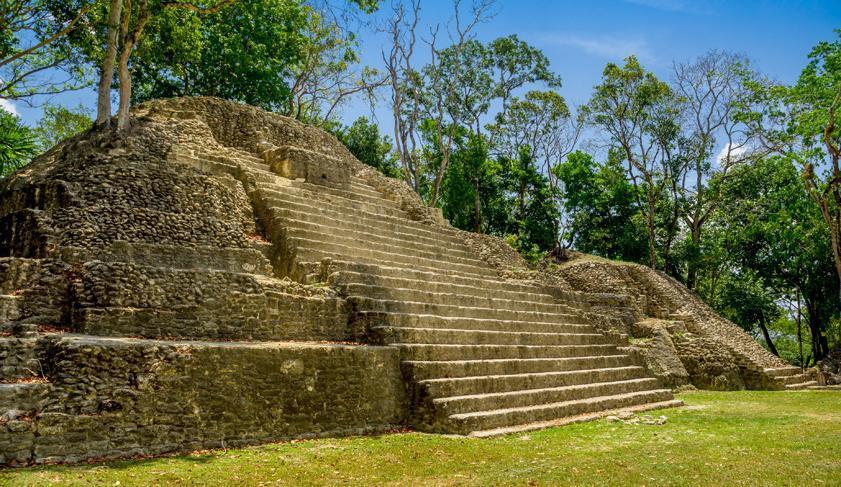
(775, 232)
(17, 143)
(538, 124)
(746, 301)
(246, 52)
(35, 57)
(60, 123)
(431, 103)
(803, 122)
(601, 207)
(363, 140)
(817, 120)
(636, 111)
(711, 89)
(323, 78)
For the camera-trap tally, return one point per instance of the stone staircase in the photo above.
(481, 355)
(791, 378)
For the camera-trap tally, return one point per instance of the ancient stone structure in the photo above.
(223, 276)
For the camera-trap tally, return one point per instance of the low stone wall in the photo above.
(121, 397)
(125, 299)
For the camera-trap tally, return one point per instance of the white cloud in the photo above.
(735, 154)
(9, 107)
(613, 48)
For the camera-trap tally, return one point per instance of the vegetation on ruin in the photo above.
(713, 172)
(718, 439)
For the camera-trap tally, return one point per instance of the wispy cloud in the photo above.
(613, 48)
(9, 107)
(685, 6)
(732, 152)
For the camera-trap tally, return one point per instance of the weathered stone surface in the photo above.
(129, 396)
(186, 254)
(314, 168)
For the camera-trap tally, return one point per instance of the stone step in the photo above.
(25, 398)
(783, 371)
(801, 385)
(316, 251)
(413, 307)
(443, 352)
(460, 386)
(359, 186)
(396, 229)
(494, 283)
(793, 379)
(9, 308)
(224, 167)
(405, 320)
(225, 259)
(285, 196)
(493, 289)
(383, 245)
(19, 359)
(420, 370)
(379, 215)
(531, 397)
(335, 193)
(390, 334)
(317, 231)
(484, 420)
(268, 315)
(579, 418)
(373, 202)
(452, 298)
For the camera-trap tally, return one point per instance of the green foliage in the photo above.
(59, 123)
(35, 59)
(746, 300)
(17, 143)
(601, 208)
(363, 140)
(244, 52)
(722, 438)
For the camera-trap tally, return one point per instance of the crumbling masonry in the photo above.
(224, 276)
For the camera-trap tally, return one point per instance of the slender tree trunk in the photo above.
(477, 205)
(106, 78)
(800, 332)
(819, 344)
(129, 41)
(125, 89)
(649, 217)
(767, 336)
(692, 272)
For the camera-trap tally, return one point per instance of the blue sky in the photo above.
(580, 37)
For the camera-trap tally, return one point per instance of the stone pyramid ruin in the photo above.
(223, 276)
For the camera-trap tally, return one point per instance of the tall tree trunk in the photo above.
(129, 41)
(767, 336)
(692, 271)
(819, 344)
(800, 332)
(649, 218)
(125, 89)
(477, 205)
(106, 77)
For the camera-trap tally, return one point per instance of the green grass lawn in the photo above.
(720, 438)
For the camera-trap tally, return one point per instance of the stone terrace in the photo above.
(224, 276)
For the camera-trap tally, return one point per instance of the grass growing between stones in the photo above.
(720, 438)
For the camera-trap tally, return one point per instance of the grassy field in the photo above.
(736, 438)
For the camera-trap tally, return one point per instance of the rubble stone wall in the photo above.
(121, 397)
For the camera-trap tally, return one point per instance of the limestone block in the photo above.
(313, 167)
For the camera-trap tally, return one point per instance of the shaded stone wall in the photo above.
(121, 397)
